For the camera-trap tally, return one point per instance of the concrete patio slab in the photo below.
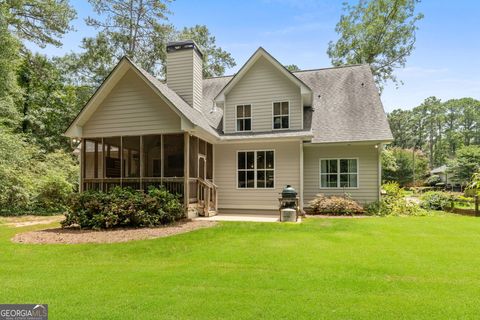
(243, 218)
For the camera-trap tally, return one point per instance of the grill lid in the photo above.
(289, 192)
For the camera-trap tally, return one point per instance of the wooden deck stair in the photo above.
(207, 194)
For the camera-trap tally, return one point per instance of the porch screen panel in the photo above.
(131, 156)
(99, 170)
(93, 161)
(152, 155)
(193, 157)
(173, 155)
(202, 147)
(209, 161)
(112, 157)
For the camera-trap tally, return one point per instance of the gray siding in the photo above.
(287, 171)
(131, 108)
(261, 86)
(368, 171)
(184, 75)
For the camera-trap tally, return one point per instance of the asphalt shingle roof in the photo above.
(346, 106)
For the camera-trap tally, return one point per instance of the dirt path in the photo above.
(71, 236)
(24, 221)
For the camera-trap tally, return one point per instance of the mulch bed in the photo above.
(75, 235)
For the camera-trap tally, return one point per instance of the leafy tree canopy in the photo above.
(215, 59)
(466, 163)
(39, 21)
(140, 30)
(9, 61)
(438, 128)
(398, 164)
(378, 32)
(292, 67)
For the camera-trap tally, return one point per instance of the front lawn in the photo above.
(374, 268)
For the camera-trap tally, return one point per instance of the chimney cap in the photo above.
(184, 45)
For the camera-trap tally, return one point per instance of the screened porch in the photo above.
(181, 163)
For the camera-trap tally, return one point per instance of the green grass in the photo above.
(376, 268)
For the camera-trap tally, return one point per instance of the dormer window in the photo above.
(281, 115)
(244, 117)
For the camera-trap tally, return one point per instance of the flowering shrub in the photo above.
(334, 205)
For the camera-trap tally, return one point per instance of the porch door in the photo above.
(202, 168)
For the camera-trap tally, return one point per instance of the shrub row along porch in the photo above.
(181, 163)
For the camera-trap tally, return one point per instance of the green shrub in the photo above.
(394, 203)
(433, 180)
(436, 200)
(53, 192)
(334, 205)
(32, 181)
(123, 207)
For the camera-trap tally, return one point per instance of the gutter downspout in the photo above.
(301, 175)
(379, 172)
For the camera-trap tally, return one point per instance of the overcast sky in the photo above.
(445, 63)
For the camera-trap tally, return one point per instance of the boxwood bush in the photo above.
(123, 207)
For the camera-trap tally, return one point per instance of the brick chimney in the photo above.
(184, 71)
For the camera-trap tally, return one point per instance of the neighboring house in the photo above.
(446, 177)
(234, 142)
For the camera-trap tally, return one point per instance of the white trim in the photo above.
(301, 176)
(346, 143)
(379, 172)
(338, 187)
(255, 169)
(204, 157)
(243, 118)
(304, 89)
(281, 115)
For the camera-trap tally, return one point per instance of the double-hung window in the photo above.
(338, 173)
(256, 169)
(281, 115)
(244, 117)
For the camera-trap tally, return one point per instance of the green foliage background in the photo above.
(40, 95)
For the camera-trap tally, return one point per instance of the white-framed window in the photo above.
(339, 173)
(281, 115)
(244, 117)
(256, 169)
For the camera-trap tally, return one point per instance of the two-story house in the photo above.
(230, 144)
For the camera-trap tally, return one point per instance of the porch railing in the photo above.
(207, 196)
(203, 192)
(173, 185)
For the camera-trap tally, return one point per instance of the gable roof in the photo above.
(250, 62)
(345, 104)
(180, 106)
